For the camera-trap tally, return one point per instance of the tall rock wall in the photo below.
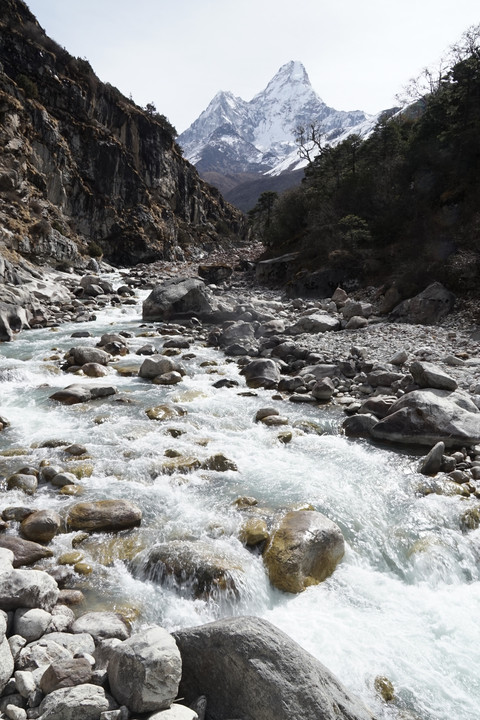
(82, 164)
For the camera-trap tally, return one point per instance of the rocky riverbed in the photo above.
(387, 381)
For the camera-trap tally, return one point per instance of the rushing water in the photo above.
(403, 603)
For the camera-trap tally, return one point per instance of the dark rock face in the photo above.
(97, 167)
(263, 674)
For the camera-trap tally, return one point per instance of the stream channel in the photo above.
(404, 602)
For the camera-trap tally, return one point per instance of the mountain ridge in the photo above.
(236, 136)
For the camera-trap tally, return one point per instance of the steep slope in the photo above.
(82, 164)
(234, 137)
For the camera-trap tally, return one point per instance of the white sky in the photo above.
(180, 53)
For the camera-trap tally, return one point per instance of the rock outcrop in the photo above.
(84, 169)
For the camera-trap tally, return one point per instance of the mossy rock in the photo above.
(254, 531)
(470, 519)
(219, 463)
(183, 464)
(384, 688)
(304, 550)
(164, 412)
(71, 558)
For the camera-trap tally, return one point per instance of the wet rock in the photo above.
(261, 372)
(19, 481)
(102, 625)
(254, 532)
(263, 674)
(304, 550)
(238, 333)
(177, 297)
(158, 365)
(168, 378)
(384, 688)
(81, 393)
(94, 370)
(41, 526)
(144, 671)
(182, 464)
(425, 417)
(25, 552)
(432, 463)
(219, 463)
(104, 516)
(83, 355)
(264, 413)
(164, 412)
(82, 702)
(428, 375)
(193, 568)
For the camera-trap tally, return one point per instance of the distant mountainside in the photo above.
(83, 166)
(235, 142)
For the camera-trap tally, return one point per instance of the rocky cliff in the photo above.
(84, 169)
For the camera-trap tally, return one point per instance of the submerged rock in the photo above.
(104, 516)
(262, 674)
(193, 568)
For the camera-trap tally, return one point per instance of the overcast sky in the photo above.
(179, 53)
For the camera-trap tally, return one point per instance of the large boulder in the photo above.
(104, 516)
(304, 550)
(427, 308)
(250, 669)
(158, 365)
(261, 372)
(215, 273)
(193, 568)
(76, 393)
(425, 417)
(177, 297)
(144, 671)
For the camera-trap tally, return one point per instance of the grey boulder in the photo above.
(82, 702)
(261, 372)
(427, 308)
(177, 297)
(144, 671)
(27, 589)
(250, 669)
(425, 417)
(428, 375)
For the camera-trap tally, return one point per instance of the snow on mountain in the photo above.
(235, 136)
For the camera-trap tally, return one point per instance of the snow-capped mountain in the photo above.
(234, 136)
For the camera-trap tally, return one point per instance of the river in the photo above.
(404, 602)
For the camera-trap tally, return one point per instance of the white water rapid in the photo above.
(404, 602)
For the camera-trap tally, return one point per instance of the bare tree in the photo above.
(309, 139)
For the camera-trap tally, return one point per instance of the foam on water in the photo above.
(404, 601)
